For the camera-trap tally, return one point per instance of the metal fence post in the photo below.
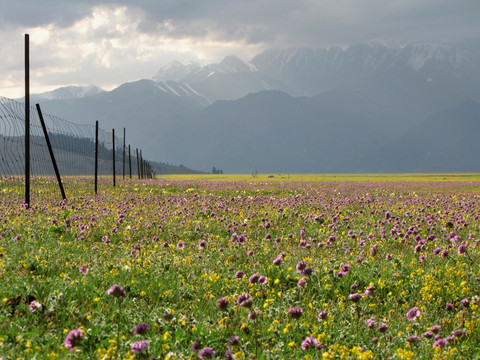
(50, 150)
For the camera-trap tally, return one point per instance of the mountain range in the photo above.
(363, 108)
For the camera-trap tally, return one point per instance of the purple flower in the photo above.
(322, 315)
(295, 312)
(301, 283)
(382, 328)
(374, 340)
(436, 328)
(369, 290)
(277, 261)
(141, 329)
(302, 265)
(229, 355)
(253, 279)
(308, 271)
(83, 269)
(116, 291)
(413, 339)
(462, 249)
(239, 274)
(262, 280)
(245, 300)
(370, 323)
(196, 345)
(465, 302)
(34, 305)
(428, 334)
(222, 303)
(458, 332)
(139, 346)
(232, 341)
(207, 352)
(74, 338)
(309, 342)
(202, 244)
(346, 268)
(254, 314)
(355, 297)
(181, 245)
(440, 343)
(413, 314)
(448, 306)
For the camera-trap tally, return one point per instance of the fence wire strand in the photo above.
(73, 145)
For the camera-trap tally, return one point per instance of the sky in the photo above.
(110, 42)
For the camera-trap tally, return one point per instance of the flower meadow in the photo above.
(178, 269)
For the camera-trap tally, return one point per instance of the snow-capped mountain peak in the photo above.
(69, 92)
(176, 71)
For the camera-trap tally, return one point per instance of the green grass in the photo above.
(132, 236)
(327, 177)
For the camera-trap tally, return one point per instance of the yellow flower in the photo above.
(239, 355)
(53, 355)
(405, 354)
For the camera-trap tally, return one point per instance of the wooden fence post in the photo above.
(96, 156)
(50, 150)
(123, 154)
(27, 120)
(113, 155)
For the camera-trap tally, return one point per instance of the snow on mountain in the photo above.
(176, 71)
(182, 89)
(314, 70)
(68, 92)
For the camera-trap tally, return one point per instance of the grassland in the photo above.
(327, 177)
(242, 267)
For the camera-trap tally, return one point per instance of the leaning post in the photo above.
(50, 150)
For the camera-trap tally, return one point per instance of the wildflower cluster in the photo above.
(182, 269)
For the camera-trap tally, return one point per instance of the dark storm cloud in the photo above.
(276, 22)
(108, 42)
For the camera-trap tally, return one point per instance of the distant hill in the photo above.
(367, 107)
(444, 142)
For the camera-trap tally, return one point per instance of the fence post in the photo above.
(141, 164)
(123, 154)
(96, 156)
(138, 164)
(113, 155)
(50, 150)
(129, 162)
(27, 121)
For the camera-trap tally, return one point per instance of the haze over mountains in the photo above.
(365, 108)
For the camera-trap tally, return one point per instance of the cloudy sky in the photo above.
(109, 42)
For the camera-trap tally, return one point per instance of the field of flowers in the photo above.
(178, 269)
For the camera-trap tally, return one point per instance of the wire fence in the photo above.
(73, 145)
(79, 150)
